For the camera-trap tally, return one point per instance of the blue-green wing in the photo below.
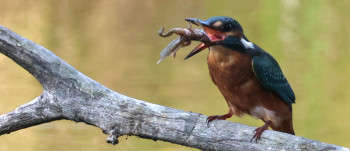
(271, 77)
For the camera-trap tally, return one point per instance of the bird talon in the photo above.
(256, 137)
(207, 121)
(219, 117)
(210, 119)
(258, 131)
(251, 140)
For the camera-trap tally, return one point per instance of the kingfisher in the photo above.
(248, 77)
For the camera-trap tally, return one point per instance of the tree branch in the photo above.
(68, 94)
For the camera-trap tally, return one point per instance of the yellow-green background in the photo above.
(116, 43)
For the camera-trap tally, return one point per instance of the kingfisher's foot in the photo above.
(218, 117)
(260, 130)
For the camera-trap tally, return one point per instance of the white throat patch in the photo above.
(246, 44)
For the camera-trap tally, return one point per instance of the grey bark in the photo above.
(69, 94)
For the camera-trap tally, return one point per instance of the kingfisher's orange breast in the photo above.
(232, 73)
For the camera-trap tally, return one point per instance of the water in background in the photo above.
(116, 43)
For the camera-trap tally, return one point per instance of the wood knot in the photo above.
(113, 136)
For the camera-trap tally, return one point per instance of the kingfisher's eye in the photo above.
(227, 28)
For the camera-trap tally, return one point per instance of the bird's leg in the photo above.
(219, 117)
(260, 130)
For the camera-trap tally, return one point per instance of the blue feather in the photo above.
(270, 75)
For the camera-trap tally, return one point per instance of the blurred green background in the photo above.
(115, 42)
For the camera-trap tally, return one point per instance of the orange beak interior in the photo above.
(214, 35)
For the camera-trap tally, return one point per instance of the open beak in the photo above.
(213, 33)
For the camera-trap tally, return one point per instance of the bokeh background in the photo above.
(115, 42)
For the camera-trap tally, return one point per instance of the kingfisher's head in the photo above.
(220, 30)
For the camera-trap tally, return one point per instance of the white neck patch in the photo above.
(246, 44)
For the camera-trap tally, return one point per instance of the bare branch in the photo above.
(68, 94)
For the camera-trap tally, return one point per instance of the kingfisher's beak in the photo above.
(213, 33)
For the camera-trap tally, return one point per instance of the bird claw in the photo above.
(257, 134)
(216, 117)
(219, 117)
(208, 122)
(258, 131)
(210, 119)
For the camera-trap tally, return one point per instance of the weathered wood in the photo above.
(68, 94)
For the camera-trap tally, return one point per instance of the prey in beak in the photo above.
(212, 31)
